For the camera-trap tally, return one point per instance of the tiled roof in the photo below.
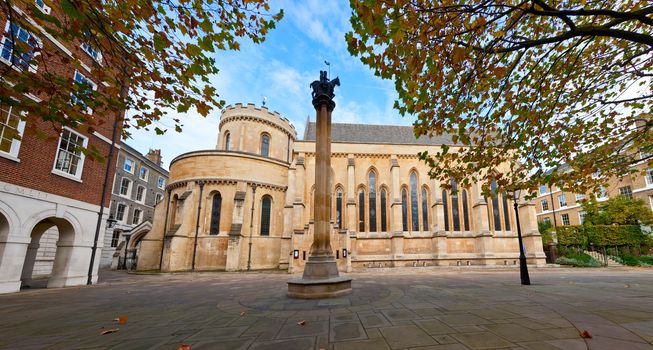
(385, 134)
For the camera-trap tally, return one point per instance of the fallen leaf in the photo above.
(242, 313)
(626, 285)
(109, 331)
(301, 323)
(585, 334)
(184, 347)
(122, 319)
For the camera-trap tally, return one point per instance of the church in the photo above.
(248, 203)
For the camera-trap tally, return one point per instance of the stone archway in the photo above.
(133, 248)
(62, 255)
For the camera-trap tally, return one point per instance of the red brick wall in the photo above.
(37, 154)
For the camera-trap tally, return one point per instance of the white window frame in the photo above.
(545, 220)
(5, 36)
(542, 186)
(161, 182)
(88, 48)
(133, 165)
(562, 218)
(134, 217)
(649, 177)
(15, 143)
(45, 8)
(147, 173)
(80, 166)
(129, 187)
(580, 197)
(650, 199)
(560, 200)
(603, 193)
(84, 79)
(142, 200)
(545, 203)
(628, 194)
(157, 200)
(581, 217)
(125, 213)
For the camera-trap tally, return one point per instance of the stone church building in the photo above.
(249, 202)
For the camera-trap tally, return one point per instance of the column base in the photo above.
(320, 280)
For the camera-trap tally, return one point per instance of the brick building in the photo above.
(48, 184)
(139, 185)
(564, 208)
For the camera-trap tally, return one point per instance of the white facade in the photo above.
(25, 215)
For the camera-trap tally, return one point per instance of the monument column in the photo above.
(321, 278)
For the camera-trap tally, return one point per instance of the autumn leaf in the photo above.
(184, 347)
(301, 322)
(109, 331)
(122, 319)
(586, 335)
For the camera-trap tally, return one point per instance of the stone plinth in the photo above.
(317, 289)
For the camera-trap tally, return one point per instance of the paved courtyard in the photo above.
(427, 308)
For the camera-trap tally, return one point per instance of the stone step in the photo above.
(602, 258)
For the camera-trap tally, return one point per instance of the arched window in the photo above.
(372, 198)
(361, 210)
(455, 212)
(465, 211)
(404, 210)
(495, 206)
(227, 141)
(265, 145)
(384, 215)
(339, 207)
(215, 214)
(425, 210)
(414, 202)
(506, 215)
(266, 207)
(445, 206)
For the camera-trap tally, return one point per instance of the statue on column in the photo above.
(324, 86)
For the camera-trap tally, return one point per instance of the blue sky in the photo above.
(281, 69)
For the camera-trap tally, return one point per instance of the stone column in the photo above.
(531, 235)
(235, 231)
(321, 278)
(481, 221)
(351, 194)
(439, 234)
(30, 260)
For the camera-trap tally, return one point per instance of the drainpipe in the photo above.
(165, 229)
(553, 207)
(197, 224)
(251, 228)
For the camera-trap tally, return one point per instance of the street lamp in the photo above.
(124, 262)
(523, 269)
(251, 228)
(111, 222)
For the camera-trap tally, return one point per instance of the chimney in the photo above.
(155, 156)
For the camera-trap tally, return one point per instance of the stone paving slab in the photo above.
(420, 308)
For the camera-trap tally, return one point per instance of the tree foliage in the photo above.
(619, 210)
(527, 85)
(151, 58)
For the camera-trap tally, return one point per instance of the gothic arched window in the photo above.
(425, 210)
(339, 207)
(216, 206)
(266, 208)
(414, 211)
(506, 215)
(445, 207)
(227, 141)
(265, 145)
(384, 222)
(495, 206)
(404, 210)
(372, 199)
(455, 212)
(361, 210)
(465, 211)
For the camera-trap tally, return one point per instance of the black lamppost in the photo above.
(124, 262)
(523, 268)
(251, 228)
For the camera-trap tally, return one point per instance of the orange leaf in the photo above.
(585, 334)
(301, 323)
(184, 347)
(122, 319)
(109, 331)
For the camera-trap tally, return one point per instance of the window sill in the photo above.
(66, 175)
(10, 157)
